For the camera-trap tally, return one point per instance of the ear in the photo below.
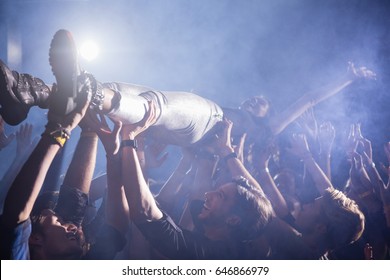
(36, 239)
(233, 220)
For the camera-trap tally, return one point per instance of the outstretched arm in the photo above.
(283, 119)
(27, 184)
(24, 147)
(142, 204)
(261, 160)
(4, 138)
(116, 206)
(225, 151)
(300, 148)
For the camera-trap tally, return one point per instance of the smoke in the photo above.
(224, 50)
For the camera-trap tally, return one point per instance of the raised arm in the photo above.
(142, 204)
(226, 153)
(261, 159)
(27, 184)
(4, 138)
(300, 148)
(24, 147)
(326, 136)
(116, 206)
(291, 113)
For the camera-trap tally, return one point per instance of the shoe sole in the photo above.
(63, 59)
(12, 111)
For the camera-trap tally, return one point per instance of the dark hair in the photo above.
(254, 209)
(345, 221)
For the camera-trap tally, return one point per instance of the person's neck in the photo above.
(213, 232)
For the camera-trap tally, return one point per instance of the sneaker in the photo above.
(63, 59)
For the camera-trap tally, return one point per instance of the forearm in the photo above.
(325, 164)
(237, 169)
(291, 113)
(272, 192)
(81, 168)
(141, 202)
(117, 209)
(28, 183)
(9, 177)
(320, 179)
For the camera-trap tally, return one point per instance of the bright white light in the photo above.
(89, 50)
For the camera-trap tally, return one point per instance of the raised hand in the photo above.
(133, 130)
(109, 138)
(352, 141)
(23, 139)
(299, 146)
(360, 72)
(4, 139)
(223, 142)
(326, 136)
(307, 121)
(71, 120)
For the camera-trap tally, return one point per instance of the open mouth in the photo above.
(72, 236)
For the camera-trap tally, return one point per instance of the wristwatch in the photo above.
(129, 143)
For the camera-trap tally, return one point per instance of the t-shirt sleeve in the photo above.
(14, 241)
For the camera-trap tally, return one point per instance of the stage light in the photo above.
(89, 50)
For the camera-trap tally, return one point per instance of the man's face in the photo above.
(257, 105)
(219, 204)
(61, 240)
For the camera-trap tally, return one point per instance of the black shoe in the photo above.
(18, 93)
(63, 58)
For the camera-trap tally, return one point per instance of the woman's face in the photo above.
(258, 106)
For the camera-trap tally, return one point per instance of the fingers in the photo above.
(117, 128)
(150, 116)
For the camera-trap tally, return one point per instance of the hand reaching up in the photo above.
(360, 72)
(133, 130)
(4, 138)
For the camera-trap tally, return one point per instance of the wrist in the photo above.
(229, 156)
(91, 134)
(224, 152)
(263, 170)
(58, 134)
(129, 143)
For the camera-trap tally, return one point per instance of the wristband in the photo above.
(57, 133)
(129, 143)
